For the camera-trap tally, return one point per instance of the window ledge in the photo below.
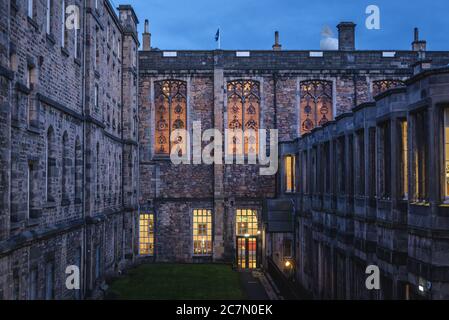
(51, 38)
(65, 52)
(50, 204)
(33, 129)
(33, 23)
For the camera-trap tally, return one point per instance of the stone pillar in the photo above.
(219, 205)
(6, 77)
(418, 45)
(130, 154)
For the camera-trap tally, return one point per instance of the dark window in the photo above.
(372, 162)
(49, 281)
(287, 248)
(341, 164)
(420, 155)
(361, 162)
(385, 160)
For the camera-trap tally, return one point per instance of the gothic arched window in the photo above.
(243, 114)
(170, 114)
(380, 86)
(316, 104)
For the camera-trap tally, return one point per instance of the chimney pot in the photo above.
(276, 46)
(146, 36)
(418, 45)
(346, 36)
(146, 26)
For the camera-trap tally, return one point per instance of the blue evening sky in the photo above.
(250, 24)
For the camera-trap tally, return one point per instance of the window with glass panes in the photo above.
(246, 222)
(146, 234)
(202, 232)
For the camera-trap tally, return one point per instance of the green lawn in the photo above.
(178, 282)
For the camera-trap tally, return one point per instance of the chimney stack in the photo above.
(276, 45)
(418, 45)
(146, 36)
(346, 36)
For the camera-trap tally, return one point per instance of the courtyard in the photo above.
(178, 282)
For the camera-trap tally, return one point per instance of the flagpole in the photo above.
(219, 38)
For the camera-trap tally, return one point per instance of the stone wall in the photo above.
(339, 233)
(71, 145)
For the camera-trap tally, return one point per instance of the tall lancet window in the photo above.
(170, 114)
(316, 104)
(243, 115)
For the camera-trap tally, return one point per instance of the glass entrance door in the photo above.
(247, 252)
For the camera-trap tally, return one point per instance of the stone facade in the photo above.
(78, 166)
(171, 192)
(68, 148)
(353, 206)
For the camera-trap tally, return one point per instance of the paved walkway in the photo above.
(256, 286)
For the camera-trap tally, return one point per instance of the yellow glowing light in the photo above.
(288, 264)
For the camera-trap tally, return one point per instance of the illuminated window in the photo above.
(246, 220)
(404, 158)
(381, 86)
(243, 116)
(316, 104)
(171, 114)
(146, 234)
(446, 152)
(202, 232)
(289, 163)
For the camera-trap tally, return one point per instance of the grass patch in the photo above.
(178, 282)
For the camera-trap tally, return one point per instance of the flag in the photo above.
(217, 35)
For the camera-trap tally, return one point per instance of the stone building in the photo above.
(68, 168)
(86, 177)
(312, 222)
(370, 188)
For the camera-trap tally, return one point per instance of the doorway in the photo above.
(247, 252)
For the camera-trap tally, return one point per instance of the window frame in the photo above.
(254, 91)
(250, 230)
(328, 86)
(170, 96)
(209, 216)
(445, 151)
(151, 234)
(292, 178)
